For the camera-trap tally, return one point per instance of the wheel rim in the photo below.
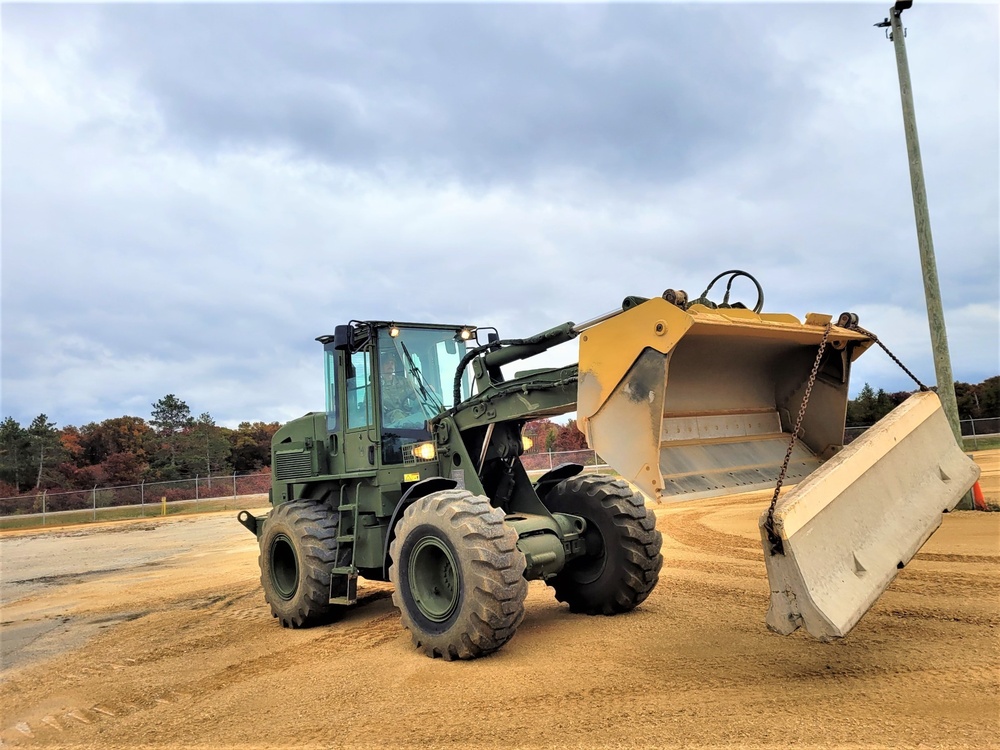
(284, 567)
(433, 577)
(589, 568)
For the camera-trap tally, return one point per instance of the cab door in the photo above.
(360, 433)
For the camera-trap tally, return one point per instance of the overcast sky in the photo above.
(192, 194)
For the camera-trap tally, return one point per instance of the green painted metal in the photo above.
(351, 452)
(432, 576)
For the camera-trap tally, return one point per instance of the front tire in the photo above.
(458, 575)
(297, 552)
(623, 560)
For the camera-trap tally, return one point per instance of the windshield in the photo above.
(416, 380)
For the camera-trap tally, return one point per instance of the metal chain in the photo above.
(772, 537)
(893, 357)
(844, 322)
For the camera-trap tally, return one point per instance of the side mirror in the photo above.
(343, 338)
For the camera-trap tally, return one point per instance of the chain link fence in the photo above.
(244, 491)
(979, 434)
(134, 500)
(535, 463)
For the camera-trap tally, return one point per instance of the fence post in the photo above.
(142, 498)
(43, 506)
(975, 441)
(94, 496)
(234, 486)
(196, 489)
(550, 460)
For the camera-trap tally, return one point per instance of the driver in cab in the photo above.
(399, 405)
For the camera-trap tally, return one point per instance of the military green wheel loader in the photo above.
(412, 473)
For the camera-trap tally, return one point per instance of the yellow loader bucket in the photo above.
(702, 402)
(696, 403)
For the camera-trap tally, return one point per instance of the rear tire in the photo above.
(297, 552)
(458, 575)
(623, 559)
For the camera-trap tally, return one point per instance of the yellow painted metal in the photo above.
(849, 527)
(694, 403)
(609, 349)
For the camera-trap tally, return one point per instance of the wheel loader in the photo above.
(412, 473)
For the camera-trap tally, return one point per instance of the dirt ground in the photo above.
(155, 633)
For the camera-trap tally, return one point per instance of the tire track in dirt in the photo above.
(369, 633)
(694, 666)
(688, 530)
(45, 724)
(919, 581)
(958, 558)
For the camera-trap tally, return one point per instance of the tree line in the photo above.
(978, 401)
(171, 445)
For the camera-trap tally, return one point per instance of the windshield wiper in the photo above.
(431, 399)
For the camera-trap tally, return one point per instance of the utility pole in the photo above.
(925, 242)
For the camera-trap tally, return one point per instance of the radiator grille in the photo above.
(293, 465)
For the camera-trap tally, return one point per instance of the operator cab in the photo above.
(392, 378)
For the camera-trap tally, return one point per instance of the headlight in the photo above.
(424, 451)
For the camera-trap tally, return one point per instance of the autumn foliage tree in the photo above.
(542, 434)
(251, 445)
(980, 400)
(129, 450)
(174, 445)
(549, 437)
(569, 438)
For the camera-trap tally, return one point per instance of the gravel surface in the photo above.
(155, 633)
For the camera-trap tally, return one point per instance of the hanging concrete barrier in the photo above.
(848, 528)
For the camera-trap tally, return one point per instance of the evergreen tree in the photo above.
(989, 397)
(861, 411)
(14, 450)
(171, 417)
(44, 447)
(206, 449)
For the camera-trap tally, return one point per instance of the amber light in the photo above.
(424, 451)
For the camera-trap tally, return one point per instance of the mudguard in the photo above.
(848, 528)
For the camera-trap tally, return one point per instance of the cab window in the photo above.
(359, 392)
(330, 367)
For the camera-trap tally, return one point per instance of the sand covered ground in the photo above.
(156, 633)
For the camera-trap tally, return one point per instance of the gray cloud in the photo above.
(479, 93)
(192, 193)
